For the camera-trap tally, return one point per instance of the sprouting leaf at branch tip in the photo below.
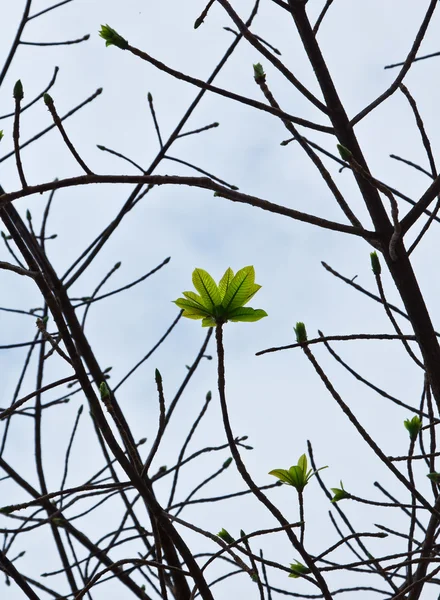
(48, 101)
(225, 536)
(1, 135)
(117, 265)
(101, 147)
(413, 427)
(344, 152)
(18, 90)
(259, 74)
(435, 477)
(112, 37)
(227, 463)
(297, 569)
(209, 396)
(300, 332)
(375, 263)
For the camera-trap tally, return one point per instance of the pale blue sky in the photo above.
(276, 400)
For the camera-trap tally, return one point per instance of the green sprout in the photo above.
(226, 536)
(300, 332)
(297, 569)
(112, 37)
(344, 152)
(18, 90)
(217, 304)
(413, 426)
(339, 494)
(259, 74)
(375, 264)
(297, 476)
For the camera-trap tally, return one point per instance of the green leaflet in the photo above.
(207, 288)
(241, 289)
(224, 302)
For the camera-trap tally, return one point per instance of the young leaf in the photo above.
(413, 426)
(240, 289)
(225, 281)
(207, 288)
(246, 314)
(339, 494)
(298, 569)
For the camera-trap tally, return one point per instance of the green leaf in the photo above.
(209, 322)
(241, 289)
(282, 475)
(207, 288)
(225, 281)
(196, 300)
(339, 493)
(298, 569)
(246, 314)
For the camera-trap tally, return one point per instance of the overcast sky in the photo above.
(275, 399)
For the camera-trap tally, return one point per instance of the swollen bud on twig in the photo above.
(344, 152)
(18, 90)
(158, 377)
(301, 333)
(112, 37)
(375, 263)
(47, 99)
(259, 74)
(1, 134)
(435, 477)
(227, 463)
(209, 396)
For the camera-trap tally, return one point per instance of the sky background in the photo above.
(275, 399)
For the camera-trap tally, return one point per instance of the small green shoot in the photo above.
(112, 37)
(413, 426)
(297, 476)
(297, 569)
(339, 494)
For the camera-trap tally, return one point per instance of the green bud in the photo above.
(100, 147)
(48, 99)
(150, 97)
(18, 90)
(225, 536)
(1, 134)
(104, 391)
(117, 265)
(141, 441)
(28, 215)
(375, 263)
(227, 463)
(344, 152)
(6, 510)
(413, 426)
(259, 74)
(158, 377)
(208, 397)
(112, 37)
(301, 333)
